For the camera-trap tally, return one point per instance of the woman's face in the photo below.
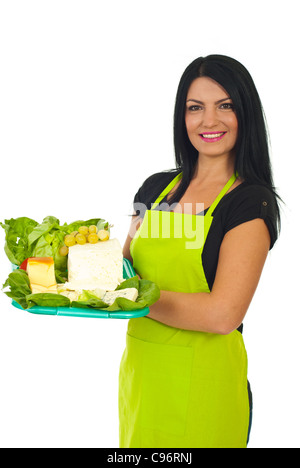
(210, 119)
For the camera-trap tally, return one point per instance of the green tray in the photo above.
(128, 272)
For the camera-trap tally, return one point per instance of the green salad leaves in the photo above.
(19, 285)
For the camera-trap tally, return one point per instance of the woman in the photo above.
(203, 238)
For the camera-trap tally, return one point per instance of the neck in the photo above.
(212, 169)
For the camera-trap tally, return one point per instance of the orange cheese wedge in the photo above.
(42, 275)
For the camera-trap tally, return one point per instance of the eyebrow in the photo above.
(200, 102)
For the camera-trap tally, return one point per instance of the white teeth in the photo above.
(213, 135)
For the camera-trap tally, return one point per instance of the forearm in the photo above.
(193, 311)
(241, 259)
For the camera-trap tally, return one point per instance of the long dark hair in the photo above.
(252, 161)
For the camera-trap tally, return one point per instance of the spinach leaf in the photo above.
(47, 300)
(19, 285)
(17, 231)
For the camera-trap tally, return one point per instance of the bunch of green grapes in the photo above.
(85, 234)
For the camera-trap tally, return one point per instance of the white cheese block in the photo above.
(92, 266)
(128, 293)
(72, 295)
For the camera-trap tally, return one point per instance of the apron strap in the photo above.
(221, 194)
(166, 190)
(213, 205)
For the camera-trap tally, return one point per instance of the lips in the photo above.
(212, 137)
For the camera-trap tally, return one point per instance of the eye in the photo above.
(227, 106)
(194, 108)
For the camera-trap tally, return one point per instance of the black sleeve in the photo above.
(255, 201)
(151, 189)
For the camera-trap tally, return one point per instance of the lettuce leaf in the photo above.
(19, 285)
(148, 291)
(129, 283)
(89, 299)
(121, 303)
(48, 245)
(47, 300)
(16, 246)
(49, 223)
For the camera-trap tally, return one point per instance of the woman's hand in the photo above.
(135, 224)
(241, 259)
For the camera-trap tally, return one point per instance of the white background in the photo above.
(87, 93)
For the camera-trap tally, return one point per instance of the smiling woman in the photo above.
(183, 376)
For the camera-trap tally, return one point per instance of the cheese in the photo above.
(128, 293)
(41, 275)
(92, 266)
(72, 295)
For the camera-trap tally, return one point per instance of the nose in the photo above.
(209, 118)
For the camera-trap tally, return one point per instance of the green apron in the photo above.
(180, 388)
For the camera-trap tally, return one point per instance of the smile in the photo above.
(212, 137)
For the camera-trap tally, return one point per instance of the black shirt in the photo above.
(244, 203)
